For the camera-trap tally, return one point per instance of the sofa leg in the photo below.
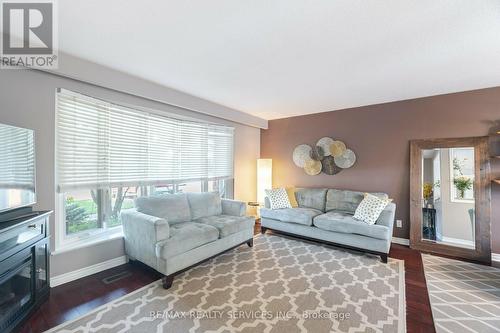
(263, 230)
(250, 243)
(383, 257)
(167, 281)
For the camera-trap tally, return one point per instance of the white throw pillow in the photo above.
(370, 208)
(278, 198)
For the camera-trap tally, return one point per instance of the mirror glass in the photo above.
(17, 167)
(448, 206)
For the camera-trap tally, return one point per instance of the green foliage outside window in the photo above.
(78, 216)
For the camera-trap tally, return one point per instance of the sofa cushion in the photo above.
(345, 223)
(184, 237)
(347, 201)
(311, 198)
(204, 204)
(172, 207)
(228, 224)
(294, 215)
(370, 208)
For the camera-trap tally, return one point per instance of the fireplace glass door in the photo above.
(16, 288)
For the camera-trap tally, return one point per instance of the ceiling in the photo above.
(283, 58)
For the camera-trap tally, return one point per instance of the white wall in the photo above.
(27, 99)
(455, 216)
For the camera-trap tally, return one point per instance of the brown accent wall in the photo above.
(379, 135)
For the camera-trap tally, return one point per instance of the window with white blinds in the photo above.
(101, 144)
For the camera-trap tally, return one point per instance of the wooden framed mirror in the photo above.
(450, 197)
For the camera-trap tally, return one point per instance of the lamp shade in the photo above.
(264, 177)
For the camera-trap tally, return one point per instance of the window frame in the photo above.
(453, 189)
(65, 242)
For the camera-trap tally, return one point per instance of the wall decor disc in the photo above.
(329, 167)
(312, 167)
(346, 160)
(301, 154)
(317, 153)
(325, 143)
(337, 148)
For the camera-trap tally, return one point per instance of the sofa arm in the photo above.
(386, 218)
(146, 227)
(233, 207)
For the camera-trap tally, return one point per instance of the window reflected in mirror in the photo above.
(448, 206)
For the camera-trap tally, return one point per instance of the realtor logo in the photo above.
(28, 34)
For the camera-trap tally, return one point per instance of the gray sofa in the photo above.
(326, 215)
(173, 232)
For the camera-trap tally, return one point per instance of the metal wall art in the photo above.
(301, 154)
(328, 156)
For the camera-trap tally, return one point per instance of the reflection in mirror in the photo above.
(448, 206)
(17, 167)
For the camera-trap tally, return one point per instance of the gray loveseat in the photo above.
(326, 215)
(173, 232)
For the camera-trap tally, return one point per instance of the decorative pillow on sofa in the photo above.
(290, 191)
(278, 198)
(370, 208)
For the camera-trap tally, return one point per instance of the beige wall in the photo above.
(27, 99)
(247, 151)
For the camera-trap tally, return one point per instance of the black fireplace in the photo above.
(24, 267)
(24, 237)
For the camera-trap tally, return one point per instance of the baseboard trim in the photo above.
(451, 240)
(495, 257)
(86, 271)
(401, 241)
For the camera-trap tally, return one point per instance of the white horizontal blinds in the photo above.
(82, 142)
(220, 151)
(164, 152)
(193, 151)
(100, 144)
(18, 156)
(128, 147)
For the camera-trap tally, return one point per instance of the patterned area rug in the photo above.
(464, 297)
(279, 285)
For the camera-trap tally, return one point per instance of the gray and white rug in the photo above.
(464, 297)
(279, 285)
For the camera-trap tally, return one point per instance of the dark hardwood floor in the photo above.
(79, 297)
(418, 307)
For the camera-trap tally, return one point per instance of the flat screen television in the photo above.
(17, 168)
